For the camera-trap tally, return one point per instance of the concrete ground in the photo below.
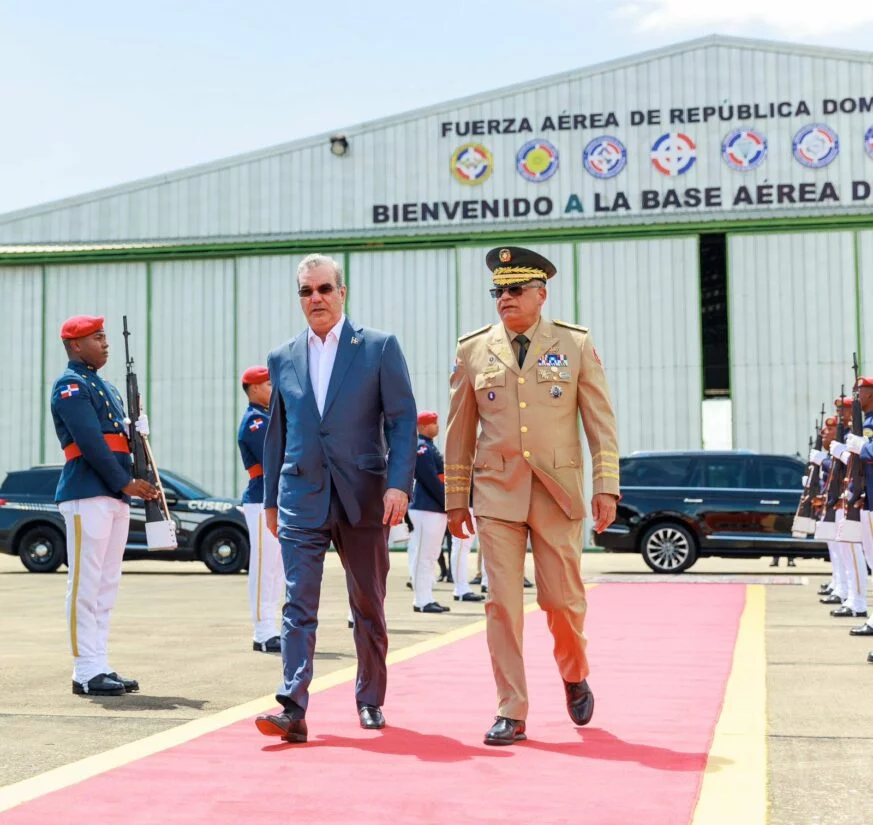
(184, 633)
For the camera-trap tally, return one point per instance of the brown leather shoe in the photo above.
(580, 702)
(282, 725)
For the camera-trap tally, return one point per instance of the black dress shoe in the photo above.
(505, 731)
(273, 645)
(848, 613)
(527, 582)
(283, 726)
(483, 589)
(832, 599)
(130, 685)
(863, 630)
(870, 657)
(100, 685)
(371, 717)
(825, 590)
(580, 702)
(470, 597)
(791, 563)
(409, 585)
(476, 580)
(351, 624)
(431, 607)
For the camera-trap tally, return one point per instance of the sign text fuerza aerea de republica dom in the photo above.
(710, 197)
(652, 117)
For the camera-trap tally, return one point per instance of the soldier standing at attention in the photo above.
(516, 395)
(428, 514)
(266, 573)
(93, 496)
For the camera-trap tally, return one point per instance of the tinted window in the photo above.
(184, 487)
(780, 474)
(724, 472)
(32, 482)
(669, 471)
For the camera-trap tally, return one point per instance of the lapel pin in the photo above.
(490, 359)
(356, 340)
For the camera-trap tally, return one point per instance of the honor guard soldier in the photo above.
(516, 395)
(862, 446)
(428, 515)
(266, 574)
(93, 495)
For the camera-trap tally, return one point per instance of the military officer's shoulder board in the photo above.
(473, 334)
(570, 326)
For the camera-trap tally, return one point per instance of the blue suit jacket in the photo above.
(364, 442)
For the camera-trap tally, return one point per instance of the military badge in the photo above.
(472, 164)
(553, 359)
(505, 256)
(564, 376)
(491, 395)
(356, 340)
(556, 391)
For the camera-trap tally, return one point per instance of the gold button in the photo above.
(572, 463)
(484, 466)
(526, 453)
(524, 429)
(107, 403)
(116, 423)
(521, 380)
(110, 416)
(523, 404)
(99, 392)
(93, 384)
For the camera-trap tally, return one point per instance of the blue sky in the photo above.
(100, 93)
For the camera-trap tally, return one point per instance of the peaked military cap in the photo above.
(517, 265)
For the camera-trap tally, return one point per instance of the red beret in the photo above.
(865, 381)
(80, 325)
(831, 422)
(846, 402)
(256, 375)
(427, 417)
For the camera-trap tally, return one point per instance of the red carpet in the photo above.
(660, 653)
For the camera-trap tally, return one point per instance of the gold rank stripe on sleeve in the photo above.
(605, 475)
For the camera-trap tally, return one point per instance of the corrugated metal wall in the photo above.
(793, 329)
(302, 188)
(865, 299)
(21, 298)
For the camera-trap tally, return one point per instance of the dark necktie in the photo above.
(523, 341)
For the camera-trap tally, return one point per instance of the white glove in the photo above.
(817, 456)
(855, 443)
(837, 448)
(805, 481)
(142, 424)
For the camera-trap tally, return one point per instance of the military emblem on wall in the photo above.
(868, 141)
(744, 149)
(604, 157)
(472, 164)
(816, 146)
(673, 153)
(537, 160)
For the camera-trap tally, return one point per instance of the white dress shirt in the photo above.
(322, 355)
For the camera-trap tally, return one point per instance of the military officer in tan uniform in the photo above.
(524, 382)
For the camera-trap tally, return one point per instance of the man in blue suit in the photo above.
(339, 459)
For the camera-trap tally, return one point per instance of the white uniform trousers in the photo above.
(855, 571)
(266, 574)
(460, 560)
(97, 531)
(839, 583)
(867, 546)
(424, 548)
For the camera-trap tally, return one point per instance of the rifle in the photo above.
(849, 529)
(804, 519)
(160, 527)
(826, 529)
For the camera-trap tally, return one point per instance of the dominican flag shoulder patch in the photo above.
(256, 424)
(69, 391)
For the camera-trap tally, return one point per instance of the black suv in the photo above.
(677, 507)
(209, 529)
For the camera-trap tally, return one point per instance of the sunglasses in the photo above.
(514, 291)
(324, 289)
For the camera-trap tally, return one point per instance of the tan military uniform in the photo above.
(528, 480)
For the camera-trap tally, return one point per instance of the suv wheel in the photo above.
(224, 550)
(669, 548)
(42, 549)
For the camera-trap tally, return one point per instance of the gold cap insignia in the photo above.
(505, 256)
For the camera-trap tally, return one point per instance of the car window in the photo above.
(185, 488)
(725, 472)
(656, 471)
(780, 474)
(32, 482)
